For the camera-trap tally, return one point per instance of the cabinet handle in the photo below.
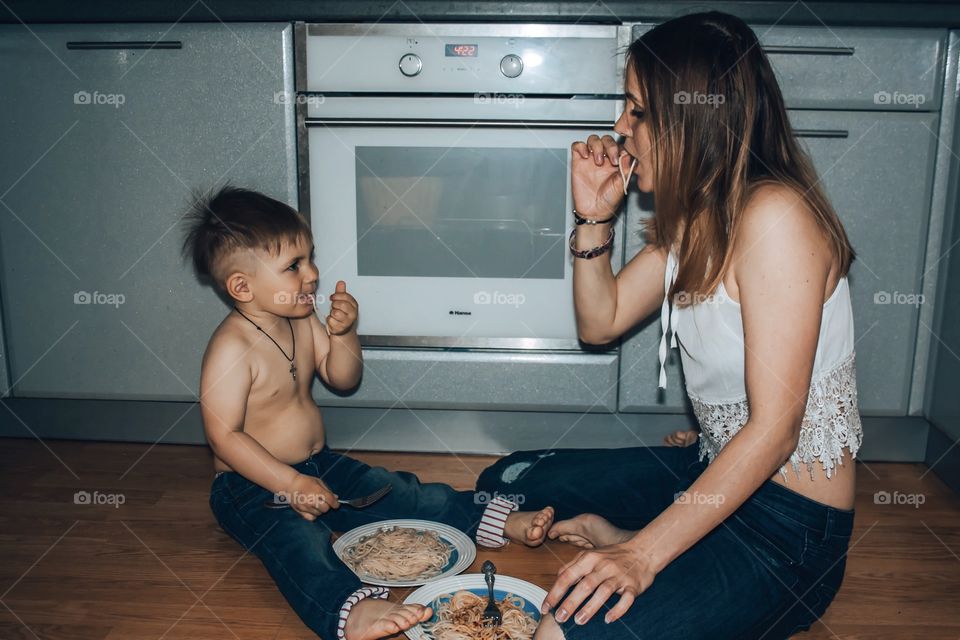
(126, 44)
(821, 133)
(808, 51)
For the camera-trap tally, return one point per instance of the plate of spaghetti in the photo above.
(405, 553)
(458, 603)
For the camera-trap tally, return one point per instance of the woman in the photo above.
(748, 250)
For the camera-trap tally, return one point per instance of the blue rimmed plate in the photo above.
(533, 596)
(464, 551)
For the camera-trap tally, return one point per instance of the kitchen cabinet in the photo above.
(880, 180)
(856, 67)
(106, 130)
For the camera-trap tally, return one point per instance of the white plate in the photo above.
(531, 593)
(464, 551)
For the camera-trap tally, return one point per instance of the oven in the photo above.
(434, 166)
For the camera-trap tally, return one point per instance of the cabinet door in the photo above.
(879, 179)
(104, 139)
(877, 169)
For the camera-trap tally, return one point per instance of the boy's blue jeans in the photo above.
(768, 571)
(298, 553)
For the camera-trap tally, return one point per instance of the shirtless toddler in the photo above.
(267, 434)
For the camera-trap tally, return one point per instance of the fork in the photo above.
(356, 503)
(492, 613)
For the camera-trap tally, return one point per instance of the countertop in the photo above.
(929, 13)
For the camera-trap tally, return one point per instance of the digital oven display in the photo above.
(461, 51)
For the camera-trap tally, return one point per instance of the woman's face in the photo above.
(632, 125)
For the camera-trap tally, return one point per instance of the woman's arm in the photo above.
(781, 265)
(608, 306)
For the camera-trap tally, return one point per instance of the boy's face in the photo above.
(283, 284)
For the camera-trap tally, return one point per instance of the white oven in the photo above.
(435, 168)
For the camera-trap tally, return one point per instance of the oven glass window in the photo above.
(461, 212)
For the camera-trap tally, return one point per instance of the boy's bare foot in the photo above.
(588, 531)
(683, 438)
(548, 629)
(372, 618)
(529, 527)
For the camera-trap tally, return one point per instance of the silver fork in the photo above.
(491, 614)
(356, 503)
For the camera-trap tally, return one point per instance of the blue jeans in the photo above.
(769, 570)
(298, 553)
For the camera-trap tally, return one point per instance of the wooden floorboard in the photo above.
(158, 566)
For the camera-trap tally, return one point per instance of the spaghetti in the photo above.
(460, 617)
(399, 553)
(625, 175)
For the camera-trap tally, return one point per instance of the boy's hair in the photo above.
(233, 219)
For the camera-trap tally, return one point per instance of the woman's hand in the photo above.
(619, 568)
(596, 180)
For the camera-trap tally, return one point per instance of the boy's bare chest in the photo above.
(282, 371)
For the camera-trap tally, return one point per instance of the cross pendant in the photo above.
(293, 370)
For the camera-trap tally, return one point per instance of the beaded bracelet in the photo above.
(590, 253)
(578, 219)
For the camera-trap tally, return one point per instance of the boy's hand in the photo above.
(310, 497)
(343, 311)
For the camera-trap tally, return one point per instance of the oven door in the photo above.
(448, 236)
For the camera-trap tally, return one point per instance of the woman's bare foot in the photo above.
(588, 531)
(681, 438)
(372, 618)
(529, 527)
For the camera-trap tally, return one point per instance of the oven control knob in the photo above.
(411, 65)
(511, 65)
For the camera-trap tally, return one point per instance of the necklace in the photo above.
(293, 367)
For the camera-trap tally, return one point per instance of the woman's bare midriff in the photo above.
(837, 491)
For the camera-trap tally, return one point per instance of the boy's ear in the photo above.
(238, 287)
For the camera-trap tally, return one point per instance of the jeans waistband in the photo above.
(808, 513)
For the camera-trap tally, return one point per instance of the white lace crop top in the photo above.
(711, 333)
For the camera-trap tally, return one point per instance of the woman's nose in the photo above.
(621, 127)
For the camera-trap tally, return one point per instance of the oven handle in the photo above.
(500, 124)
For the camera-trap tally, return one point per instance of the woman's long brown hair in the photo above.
(719, 129)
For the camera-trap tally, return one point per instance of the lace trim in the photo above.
(831, 422)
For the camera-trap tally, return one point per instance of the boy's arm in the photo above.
(339, 360)
(225, 382)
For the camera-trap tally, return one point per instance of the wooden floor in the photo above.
(158, 567)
